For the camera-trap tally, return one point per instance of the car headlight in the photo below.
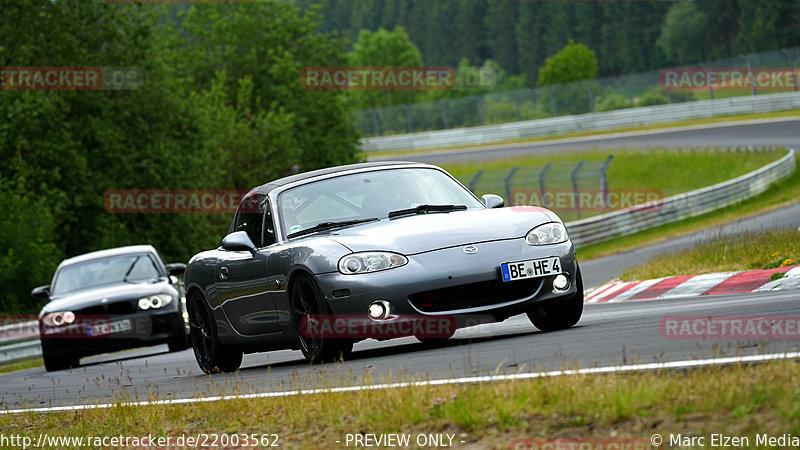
(549, 233)
(155, 301)
(364, 262)
(58, 319)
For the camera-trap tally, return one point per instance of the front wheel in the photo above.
(212, 356)
(309, 306)
(53, 362)
(560, 313)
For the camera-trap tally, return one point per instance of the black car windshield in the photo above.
(371, 194)
(104, 271)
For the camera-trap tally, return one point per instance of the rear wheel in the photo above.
(560, 313)
(310, 306)
(212, 356)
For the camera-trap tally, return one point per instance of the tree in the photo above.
(574, 62)
(384, 49)
(684, 34)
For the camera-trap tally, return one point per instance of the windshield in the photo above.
(368, 195)
(99, 272)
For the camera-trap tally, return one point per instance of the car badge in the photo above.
(470, 249)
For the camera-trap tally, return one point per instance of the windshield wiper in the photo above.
(130, 269)
(426, 209)
(329, 226)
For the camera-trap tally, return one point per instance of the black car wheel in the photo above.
(54, 362)
(560, 313)
(310, 306)
(212, 356)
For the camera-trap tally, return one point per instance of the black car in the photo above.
(111, 300)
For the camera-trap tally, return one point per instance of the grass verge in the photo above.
(746, 251)
(22, 364)
(783, 194)
(739, 399)
(578, 134)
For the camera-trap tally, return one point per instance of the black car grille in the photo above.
(474, 295)
(123, 307)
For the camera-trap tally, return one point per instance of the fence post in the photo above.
(376, 123)
(516, 105)
(542, 174)
(481, 110)
(444, 114)
(751, 76)
(508, 184)
(604, 179)
(591, 96)
(474, 181)
(574, 176)
(791, 65)
(553, 100)
(630, 93)
(407, 109)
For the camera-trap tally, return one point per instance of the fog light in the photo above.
(378, 310)
(560, 282)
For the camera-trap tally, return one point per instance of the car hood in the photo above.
(112, 292)
(427, 232)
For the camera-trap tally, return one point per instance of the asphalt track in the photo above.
(607, 335)
(760, 133)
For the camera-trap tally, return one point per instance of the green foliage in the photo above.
(384, 49)
(684, 33)
(574, 62)
(611, 102)
(652, 99)
(221, 107)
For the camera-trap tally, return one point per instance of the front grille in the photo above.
(123, 307)
(474, 295)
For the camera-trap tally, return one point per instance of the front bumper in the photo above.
(146, 329)
(449, 282)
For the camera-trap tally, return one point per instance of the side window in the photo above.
(250, 217)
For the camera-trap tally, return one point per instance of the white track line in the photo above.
(447, 381)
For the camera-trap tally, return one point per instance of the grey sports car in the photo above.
(320, 260)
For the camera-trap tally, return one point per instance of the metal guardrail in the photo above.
(647, 115)
(16, 344)
(689, 204)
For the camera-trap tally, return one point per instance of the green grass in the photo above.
(576, 134)
(746, 251)
(22, 364)
(663, 172)
(741, 399)
(785, 193)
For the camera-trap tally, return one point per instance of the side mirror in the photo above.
(238, 241)
(41, 293)
(493, 201)
(176, 269)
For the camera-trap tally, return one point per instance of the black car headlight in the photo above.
(364, 262)
(155, 301)
(549, 233)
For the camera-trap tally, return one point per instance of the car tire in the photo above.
(560, 313)
(308, 301)
(53, 363)
(212, 356)
(179, 344)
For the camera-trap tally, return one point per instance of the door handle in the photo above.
(223, 273)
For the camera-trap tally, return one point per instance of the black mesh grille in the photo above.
(474, 295)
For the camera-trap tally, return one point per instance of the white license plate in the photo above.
(102, 329)
(532, 268)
